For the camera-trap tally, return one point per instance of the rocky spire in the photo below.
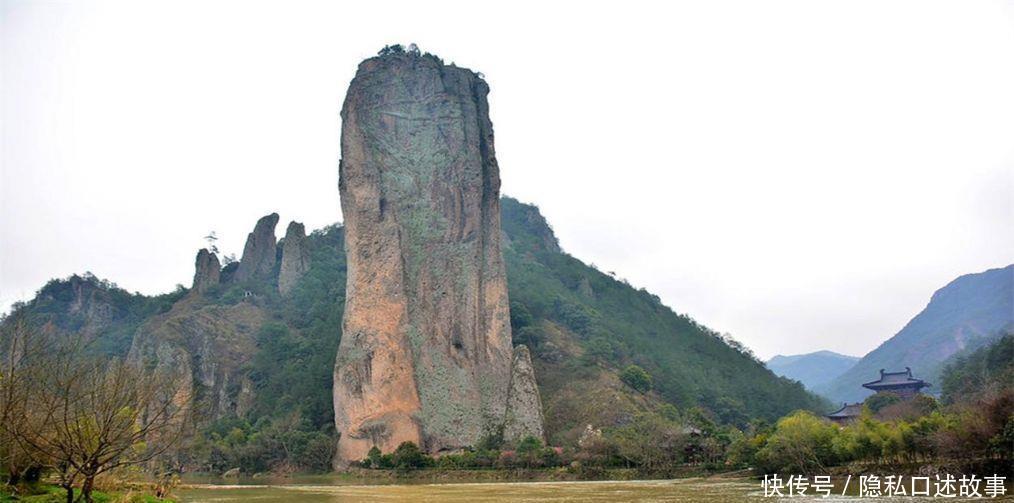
(425, 354)
(295, 257)
(524, 405)
(207, 271)
(259, 254)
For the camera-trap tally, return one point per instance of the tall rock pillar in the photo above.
(426, 352)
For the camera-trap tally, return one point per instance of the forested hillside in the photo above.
(262, 362)
(967, 313)
(987, 370)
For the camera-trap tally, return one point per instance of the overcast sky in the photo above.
(803, 175)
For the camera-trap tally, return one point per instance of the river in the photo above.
(690, 490)
(683, 490)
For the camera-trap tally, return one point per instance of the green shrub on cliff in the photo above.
(636, 378)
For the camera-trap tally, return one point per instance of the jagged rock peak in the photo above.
(295, 257)
(524, 405)
(425, 354)
(260, 252)
(207, 271)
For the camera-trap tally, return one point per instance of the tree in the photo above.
(20, 346)
(528, 451)
(521, 317)
(90, 416)
(212, 239)
(373, 458)
(881, 400)
(636, 378)
(408, 457)
(392, 49)
(652, 443)
(801, 443)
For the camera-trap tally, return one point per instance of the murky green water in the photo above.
(683, 490)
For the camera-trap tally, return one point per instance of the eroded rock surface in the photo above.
(208, 346)
(295, 257)
(207, 270)
(524, 406)
(426, 352)
(259, 253)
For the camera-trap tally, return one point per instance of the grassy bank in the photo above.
(49, 493)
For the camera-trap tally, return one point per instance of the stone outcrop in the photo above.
(259, 253)
(209, 347)
(90, 304)
(206, 271)
(295, 257)
(524, 406)
(426, 352)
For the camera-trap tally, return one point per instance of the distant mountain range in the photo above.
(968, 313)
(812, 369)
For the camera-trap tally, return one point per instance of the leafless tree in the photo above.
(19, 345)
(86, 416)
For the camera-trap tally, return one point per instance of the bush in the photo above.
(408, 456)
(636, 378)
(528, 451)
(372, 458)
(881, 400)
(801, 443)
(521, 317)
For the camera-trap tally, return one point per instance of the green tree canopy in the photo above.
(635, 377)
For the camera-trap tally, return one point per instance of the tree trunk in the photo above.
(70, 492)
(86, 488)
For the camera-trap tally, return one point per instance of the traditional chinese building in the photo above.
(901, 383)
(847, 413)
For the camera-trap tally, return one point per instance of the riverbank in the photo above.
(50, 493)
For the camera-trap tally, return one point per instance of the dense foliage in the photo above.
(636, 378)
(291, 426)
(974, 430)
(105, 314)
(986, 369)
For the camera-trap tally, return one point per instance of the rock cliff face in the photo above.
(295, 257)
(259, 253)
(426, 352)
(208, 346)
(524, 405)
(206, 271)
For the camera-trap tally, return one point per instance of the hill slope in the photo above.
(970, 311)
(255, 355)
(812, 369)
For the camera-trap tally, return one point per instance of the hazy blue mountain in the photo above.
(969, 312)
(812, 369)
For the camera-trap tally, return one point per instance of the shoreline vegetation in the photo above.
(969, 430)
